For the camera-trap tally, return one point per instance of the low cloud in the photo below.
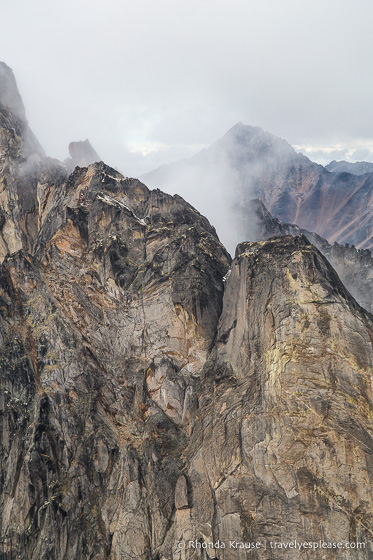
(175, 76)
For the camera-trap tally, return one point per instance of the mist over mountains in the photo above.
(245, 164)
(249, 163)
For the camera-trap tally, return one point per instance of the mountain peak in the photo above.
(152, 390)
(258, 142)
(10, 98)
(18, 137)
(242, 127)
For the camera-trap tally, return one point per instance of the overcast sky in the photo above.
(149, 82)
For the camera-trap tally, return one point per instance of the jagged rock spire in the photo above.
(81, 154)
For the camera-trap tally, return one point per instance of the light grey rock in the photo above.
(181, 493)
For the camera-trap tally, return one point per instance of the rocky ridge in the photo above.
(155, 394)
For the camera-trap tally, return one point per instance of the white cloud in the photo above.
(356, 150)
(146, 148)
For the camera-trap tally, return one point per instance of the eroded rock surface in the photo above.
(23, 167)
(105, 329)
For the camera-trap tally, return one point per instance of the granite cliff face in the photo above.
(156, 397)
(249, 163)
(283, 412)
(105, 329)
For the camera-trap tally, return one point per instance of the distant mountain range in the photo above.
(249, 163)
(357, 168)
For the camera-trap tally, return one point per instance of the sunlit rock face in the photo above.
(155, 394)
(284, 405)
(249, 163)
